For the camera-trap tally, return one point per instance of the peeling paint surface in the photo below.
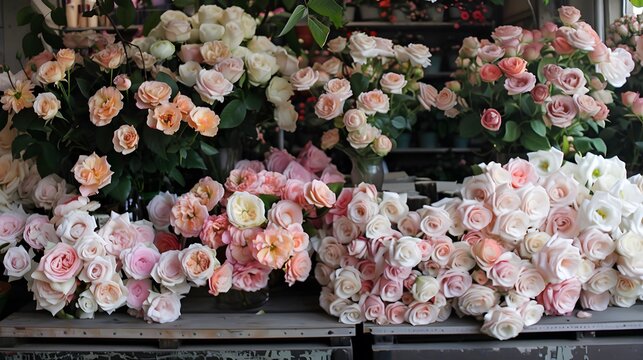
(184, 355)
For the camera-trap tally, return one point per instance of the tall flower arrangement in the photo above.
(537, 88)
(527, 238)
(156, 108)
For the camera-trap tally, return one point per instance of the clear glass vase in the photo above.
(367, 169)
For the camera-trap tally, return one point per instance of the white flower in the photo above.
(346, 282)
(100, 268)
(634, 222)
(162, 49)
(546, 162)
(602, 211)
(617, 69)
(558, 260)
(110, 294)
(602, 280)
(245, 210)
(425, 288)
(17, 262)
(531, 312)
(405, 252)
(261, 67)
(511, 227)
(188, 73)
(628, 194)
(378, 227)
(532, 243)
(279, 90)
(75, 225)
(535, 203)
(86, 305)
(162, 308)
(502, 323)
(352, 314)
(394, 206)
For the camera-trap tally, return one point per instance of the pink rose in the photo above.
(165, 241)
(159, 209)
(296, 171)
(242, 180)
(560, 111)
(231, 68)
(529, 283)
(372, 307)
(17, 262)
(162, 308)
(329, 106)
(558, 260)
(595, 302)
(560, 298)
(137, 292)
(520, 84)
(409, 225)
(594, 244)
(190, 52)
(579, 38)
(569, 15)
(60, 263)
(393, 83)
(446, 99)
(428, 95)
(549, 29)
(487, 252)
(454, 282)
(505, 270)
(139, 260)
(331, 175)
(118, 233)
(552, 72)
(388, 290)
(297, 267)
(122, 82)
(212, 86)
(395, 312)
(188, 215)
(472, 237)
(213, 231)
(286, 212)
(562, 220)
(221, 279)
(277, 160)
(474, 215)
(294, 190)
(600, 54)
(435, 221)
(507, 35)
(250, 277)
(372, 102)
(562, 46)
(318, 194)
(209, 191)
(490, 73)
(491, 119)
(531, 52)
(512, 66)
(571, 81)
(38, 231)
(312, 158)
(629, 98)
(540, 93)
(421, 313)
(304, 79)
(522, 172)
(491, 52)
(562, 189)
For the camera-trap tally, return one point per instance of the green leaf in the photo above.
(512, 132)
(336, 188)
(163, 77)
(125, 13)
(23, 17)
(48, 160)
(319, 30)
(593, 125)
(253, 101)
(26, 120)
(233, 114)
(156, 141)
(538, 127)
(176, 175)
(637, 3)
(268, 200)
(32, 45)
(532, 141)
(194, 161)
(151, 20)
(359, 83)
(58, 16)
(582, 144)
(298, 14)
(599, 145)
(328, 8)
(85, 87)
(208, 149)
(36, 24)
(121, 191)
(398, 122)
(20, 143)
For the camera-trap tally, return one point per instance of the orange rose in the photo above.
(204, 120)
(51, 72)
(151, 94)
(111, 57)
(513, 66)
(93, 173)
(105, 105)
(165, 117)
(214, 51)
(184, 104)
(46, 105)
(125, 139)
(490, 73)
(19, 97)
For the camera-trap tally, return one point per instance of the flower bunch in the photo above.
(368, 92)
(193, 84)
(537, 88)
(625, 32)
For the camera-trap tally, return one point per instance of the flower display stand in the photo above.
(284, 329)
(614, 333)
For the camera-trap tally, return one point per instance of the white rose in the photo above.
(362, 47)
(169, 273)
(461, 257)
(421, 313)
(505, 271)
(176, 31)
(435, 221)
(622, 301)
(477, 300)
(338, 305)
(634, 222)
(260, 67)
(595, 244)
(450, 205)
(198, 263)
(585, 270)
(394, 206)
(304, 79)
(245, 210)
(379, 226)
(75, 225)
(531, 312)
(279, 90)
(405, 252)
(511, 227)
(86, 305)
(286, 116)
(162, 49)
(630, 266)
(361, 209)
(110, 294)
(211, 32)
(603, 211)
(504, 200)
(630, 245)
(561, 188)
(337, 44)
(17, 262)
(535, 203)
(333, 66)
(419, 55)
(352, 314)
(346, 282)
(603, 279)
(637, 180)
(618, 68)
(261, 44)
(287, 63)
(532, 243)
(48, 191)
(100, 268)
(409, 224)
(248, 26)
(629, 195)
(558, 260)
(233, 36)
(477, 187)
(209, 14)
(530, 283)
(393, 83)
(345, 230)
(363, 136)
(188, 73)
(90, 246)
(515, 300)
(546, 162)
(627, 287)
(162, 308)
(331, 251)
(502, 323)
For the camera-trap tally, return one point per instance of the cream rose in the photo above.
(46, 105)
(260, 68)
(279, 90)
(212, 86)
(393, 83)
(502, 323)
(286, 116)
(245, 210)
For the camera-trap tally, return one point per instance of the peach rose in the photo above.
(204, 121)
(428, 96)
(111, 57)
(185, 105)
(46, 105)
(272, 247)
(51, 72)
(354, 119)
(363, 136)
(329, 106)
(329, 139)
(190, 52)
(212, 86)
(125, 139)
(188, 215)
(110, 294)
(487, 252)
(318, 194)
(491, 119)
(105, 105)
(512, 66)
(60, 263)
(560, 298)
(382, 145)
(93, 173)
(209, 191)
(232, 68)
(339, 87)
(122, 82)
(165, 117)
(304, 79)
(490, 73)
(198, 263)
(66, 58)
(372, 102)
(152, 94)
(393, 83)
(285, 213)
(214, 51)
(297, 267)
(561, 46)
(446, 99)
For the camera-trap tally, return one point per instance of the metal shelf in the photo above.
(416, 24)
(418, 150)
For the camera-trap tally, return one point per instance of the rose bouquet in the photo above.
(144, 112)
(368, 91)
(535, 237)
(625, 33)
(535, 89)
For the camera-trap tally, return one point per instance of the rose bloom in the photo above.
(159, 209)
(477, 300)
(188, 215)
(125, 139)
(520, 84)
(304, 79)
(245, 210)
(435, 221)
(506, 270)
(454, 282)
(198, 262)
(571, 81)
(558, 260)
(339, 87)
(318, 194)
(214, 51)
(446, 99)
(562, 220)
(138, 291)
(105, 105)
(487, 252)
(490, 73)
(204, 121)
(560, 298)
(474, 215)
(393, 83)
(60, 263)
(569, 15)
(363, 136)
(529, 283)
(209, 191)
(297, 267)
(595, 244)
(329, 106)
(165, 117)
(162, 308)
(329, 139)
(502, 323)
(372, 102)
(75, 225)
(139, 260)
(46, 105)
(111, 57)
(285, 213)
(428, 96)
(491, 119)
(122, 82)
(165, 241)
(152, 94)
(221, 280)
(490, 52)
(93, 173)
(560, 111)
(354, 119)
(212, 86)
(66, 58)
(250, 277)
(17, 262)
(540, 93)
(50, 72)
(512, 66)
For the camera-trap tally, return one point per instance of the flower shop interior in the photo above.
(316, 179)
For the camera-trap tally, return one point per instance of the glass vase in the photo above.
(367, 169)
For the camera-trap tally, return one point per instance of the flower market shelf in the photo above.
(613, 333)
(415, 24)
(433, 150)
(296, 327)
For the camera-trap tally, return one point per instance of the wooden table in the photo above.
(616, 333)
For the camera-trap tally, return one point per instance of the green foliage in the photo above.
(298, 14)
(319, 30)
(328, 10)
(233, 114)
